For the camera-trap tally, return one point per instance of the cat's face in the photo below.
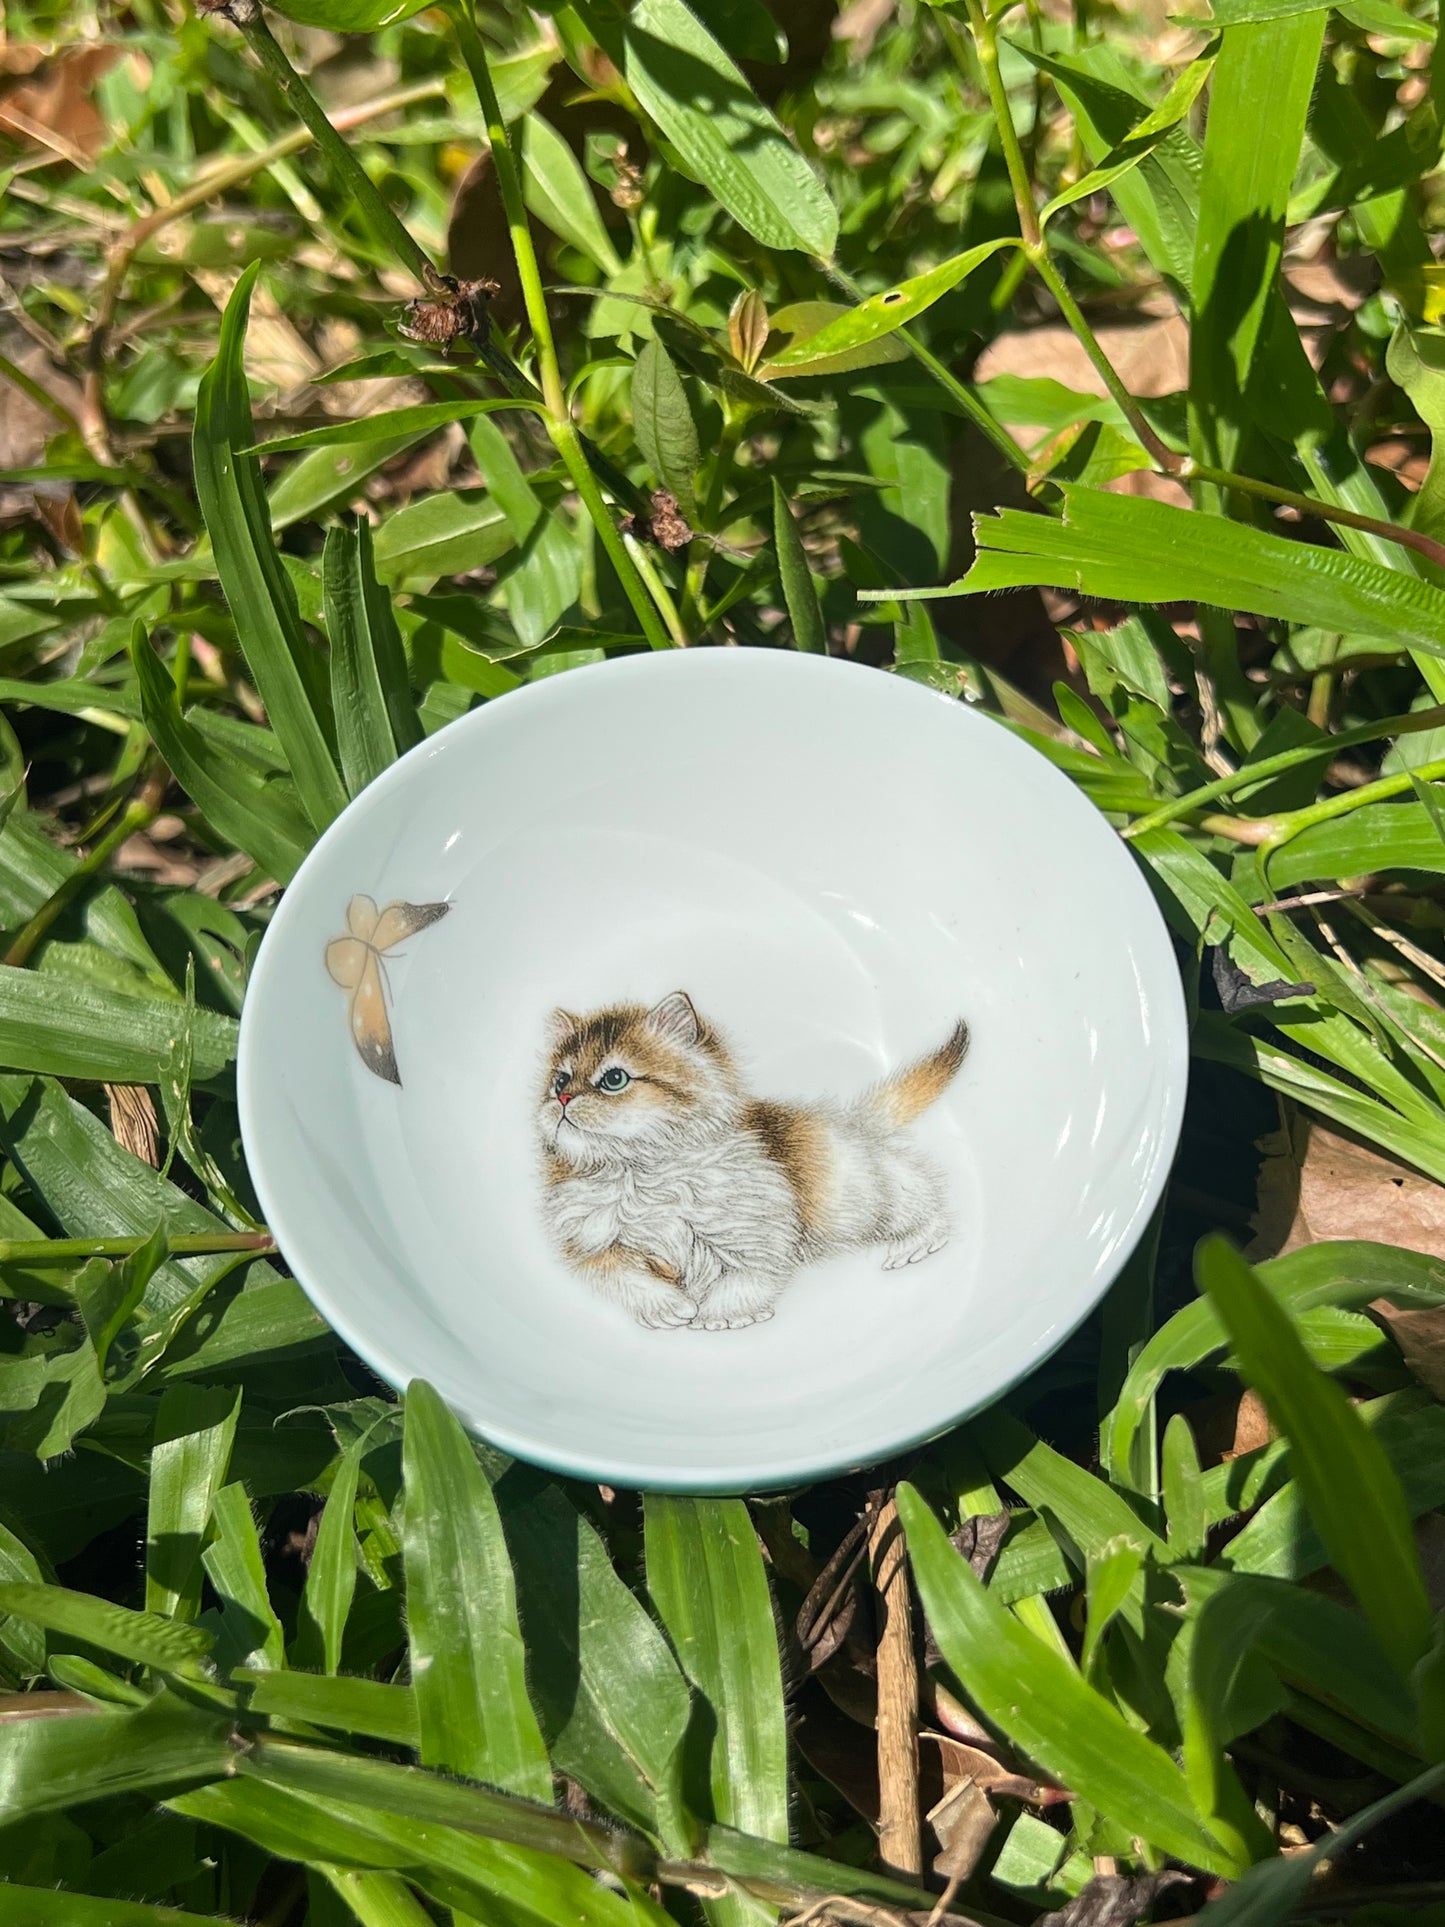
(623, 1080)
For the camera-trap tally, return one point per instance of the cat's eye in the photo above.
(613, 1080)
(560, 1082)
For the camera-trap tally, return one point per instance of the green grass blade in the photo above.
(58, 1907)
(422, 418)
(723, 134)
(262, 815)
(64, 1027)
(1341, 1468)
(611, 1701)
(375, 1708)
(882, 314)
(195, 1427)
(1047, 1710)
(287, 669)
(331, 1576)
(377, 1898)
(370, 689)
(147, 1639)
(467, 1660)
(1258, 99)
(49, 1765)
(1127, 549)
(706, 1577)
(251, 1632)
(804, 611)
(544, 579)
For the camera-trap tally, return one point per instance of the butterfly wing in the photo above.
(345, 961)
(361, 918)
(370, 1022)
(401, 920)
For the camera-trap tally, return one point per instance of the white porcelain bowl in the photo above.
(776, 1229)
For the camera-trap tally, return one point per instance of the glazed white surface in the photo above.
(835, 865)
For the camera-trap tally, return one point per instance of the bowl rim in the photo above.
(1170, 1055)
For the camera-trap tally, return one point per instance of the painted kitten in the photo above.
(681, 1198)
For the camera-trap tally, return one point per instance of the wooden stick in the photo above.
(900, 1833)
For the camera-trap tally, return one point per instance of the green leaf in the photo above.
(1046, 1709)
(803, 322)
(60, 1907)
(421, 418)
(67, 1028)
(706, 1577)
(107, 1295)
(544, 579)
(349, 16)
(882, 313)
(286, 667)
(373, 1707)
(1109, 1581)
(1126, 549)
(467, 1661)
(1415, 361)
(1258, 100)
(559, 194)
(611, 1701)
(1352, 1493)
(370, 689)
(1093, 1514)
(263, 815)
(1184, 1503)
(723, 135)
(804, 610)
(260, 1322)
(194, 1428)
(331, 1576)
(662, 422)
(442, 535)
(146, 1638)
(1143, 139)
(250, 1629)
(47, 1766)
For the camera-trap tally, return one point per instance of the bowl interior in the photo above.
(835, 866)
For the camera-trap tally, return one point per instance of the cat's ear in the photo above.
(560, 1026)
(675, 1019)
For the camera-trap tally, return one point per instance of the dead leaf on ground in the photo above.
(1420, 1336)
(1319, 1183)
(54, 109)
(1229, 1425)
(960, 1761)
(963, 1822)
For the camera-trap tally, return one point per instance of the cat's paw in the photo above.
(669, 1315)
(914, 1252)
(736, 1321)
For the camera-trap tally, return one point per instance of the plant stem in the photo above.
(985, 39)
(1291, 822)
(1287, 759)
(1163, 458)
(661, 595)
(349, 172)
(142, 810)
(64, 1251)
(1189, 470)
(560, 426)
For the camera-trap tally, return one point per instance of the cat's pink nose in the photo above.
(564, 1099)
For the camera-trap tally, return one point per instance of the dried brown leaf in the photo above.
(1114, 1900)
(1319, 1183)
(963, 1821)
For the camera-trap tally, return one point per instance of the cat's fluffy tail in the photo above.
(906, 1094)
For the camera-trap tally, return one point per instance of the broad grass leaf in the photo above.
(376, 1709)
(325, 478)
(442, 535)
(1046, 1709)
(411, 423)
(62, 1907)
(1126, 549)
(1183, 91)
(801, 596)
(261, 1322)
(611, 1701)
(881, 314)
(370, 688)
(1379, 836)
(260, 814)
(1228, 1690)
(331, 1576)
(349, 16)
(559, 194)
(721, 132)
(288, 671)
(250, 1632)
(194, 1429)
(1184, 1500)
(146, 1639)
(706, 1577)
(467, 1660)
(801, 321)
(1415, 361)
(542, 582)
(21, 1641)
(64, 1027)
(1109, 1580)
(47, 1766)
(1340, 1466)
(663, 424)
(1095, 1515)
(108, 1294)
(1258, 101)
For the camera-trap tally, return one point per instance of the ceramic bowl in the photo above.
(713, 1070)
